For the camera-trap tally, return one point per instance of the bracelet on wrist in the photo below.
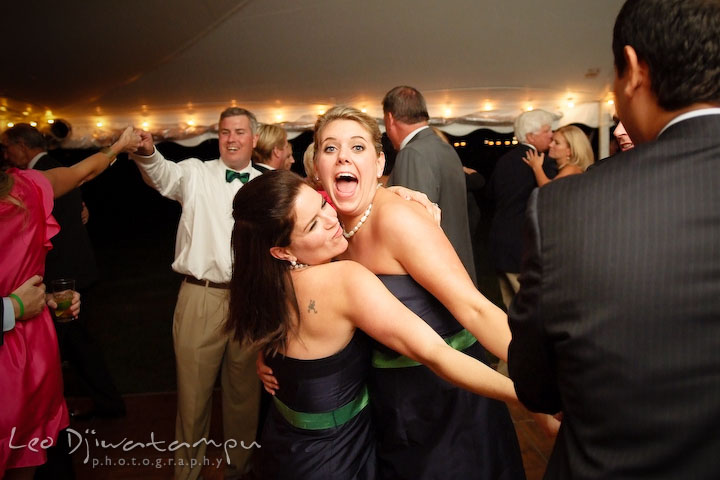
(20, 304)
(112, 155)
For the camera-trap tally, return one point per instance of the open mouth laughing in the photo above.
(345, 184)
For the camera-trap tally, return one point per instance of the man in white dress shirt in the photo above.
(203, 255)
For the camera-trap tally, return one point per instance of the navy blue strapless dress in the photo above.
(297, 443)
(428, 428)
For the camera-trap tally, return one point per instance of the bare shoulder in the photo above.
(330, 275)
(332, 286)
(397, 216)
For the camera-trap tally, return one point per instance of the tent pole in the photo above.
(603, 130)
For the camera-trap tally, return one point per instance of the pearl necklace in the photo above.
(360, 223)
(295, 265)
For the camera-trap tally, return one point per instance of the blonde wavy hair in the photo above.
(581, 153)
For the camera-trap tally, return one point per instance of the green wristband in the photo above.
(22, 307)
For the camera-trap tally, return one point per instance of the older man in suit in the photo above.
(509, 189)
(427, 164)
(617, 321)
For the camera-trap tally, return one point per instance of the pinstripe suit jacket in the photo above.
(617, 322)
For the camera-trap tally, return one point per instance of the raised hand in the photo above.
(129, 141)
(146, 146)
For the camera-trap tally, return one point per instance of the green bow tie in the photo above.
(230, 176)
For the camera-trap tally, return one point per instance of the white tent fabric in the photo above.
(172, 67)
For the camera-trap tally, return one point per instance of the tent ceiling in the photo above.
(136, 59)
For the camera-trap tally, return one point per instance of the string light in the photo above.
(611, 102)
(33, 123)
(51, 121)
(99, 124)
(10, 124)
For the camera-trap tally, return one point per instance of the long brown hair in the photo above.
(262, 297)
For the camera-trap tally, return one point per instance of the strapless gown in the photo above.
(428, 428)
(315, 444)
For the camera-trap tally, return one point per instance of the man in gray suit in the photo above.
(617, 321)
(426, 163)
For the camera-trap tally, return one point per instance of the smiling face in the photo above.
(236, 141)
(622, 137)
(560, 148)
(348, 165)
(317, 235)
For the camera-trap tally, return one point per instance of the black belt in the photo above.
(206, 283)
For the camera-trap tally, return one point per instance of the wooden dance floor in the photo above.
(137, 446)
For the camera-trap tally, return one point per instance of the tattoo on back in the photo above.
(311, 307)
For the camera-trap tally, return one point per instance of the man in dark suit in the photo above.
(70, 257)
(617, 321)
(509, 189)
(427, 164)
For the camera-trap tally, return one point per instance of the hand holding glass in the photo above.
(63, 290)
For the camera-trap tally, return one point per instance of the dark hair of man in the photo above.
(26, 134)
(236, 112)
(406, 105)
(680, 42)
(262, 297)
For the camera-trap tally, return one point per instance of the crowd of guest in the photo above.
(356, 303)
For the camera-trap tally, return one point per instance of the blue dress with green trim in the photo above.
(319, 425)
(426, 427)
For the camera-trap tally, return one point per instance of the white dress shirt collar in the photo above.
(411, 135)
(247, 169)
(269, 167)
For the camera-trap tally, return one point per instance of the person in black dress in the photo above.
(303, 312)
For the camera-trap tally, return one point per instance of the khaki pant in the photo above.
(509, 286)
(201, 350)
